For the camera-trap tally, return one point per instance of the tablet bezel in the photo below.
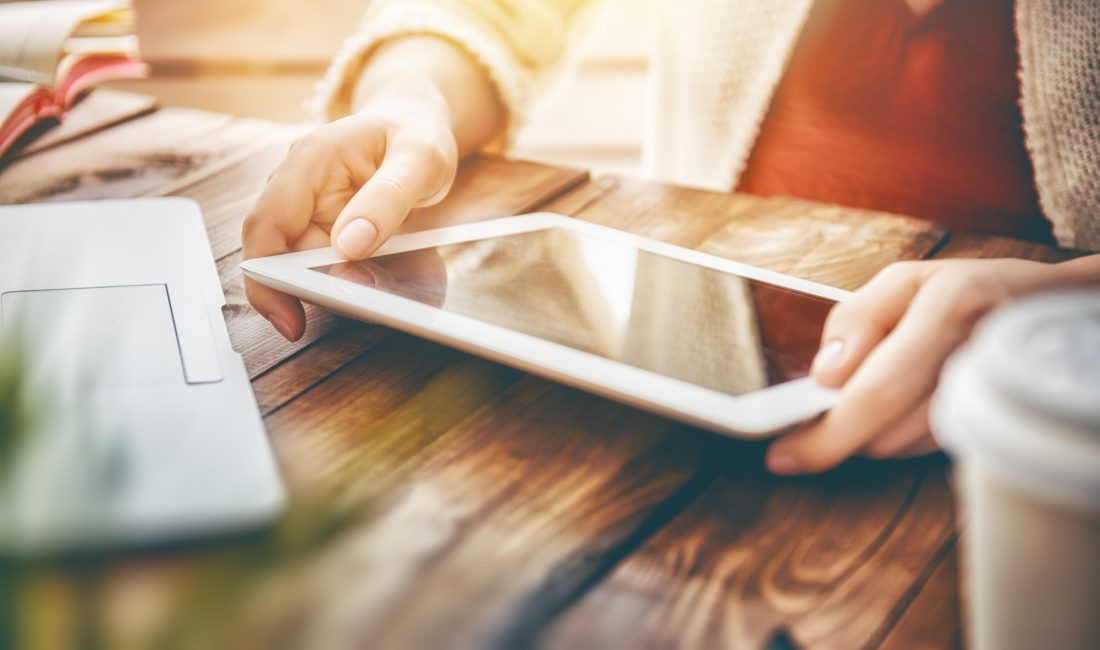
(754, 414)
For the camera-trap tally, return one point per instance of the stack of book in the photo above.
(52, 52)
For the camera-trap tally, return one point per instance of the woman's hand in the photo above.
(884, 348)
(350, 183)
(421, 103)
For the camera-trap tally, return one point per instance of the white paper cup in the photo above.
(1019, 409)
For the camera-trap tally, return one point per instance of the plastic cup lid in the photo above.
(1022, 398)
(1046, 352)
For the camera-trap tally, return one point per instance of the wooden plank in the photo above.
(825, 560)
(933, 619)
(366, 407)
(581, 197)
(495, 520)
(296, 374)
(489, 187)
(838, 246)
(923, 531)
(129, 159)
(680, 216)
(829, 244)
(974, 245)
(339, 445)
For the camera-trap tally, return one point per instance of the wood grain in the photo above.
(679, 216)
(580, 197)
(826, 559)
(489, 187)
(837, 246)
(513, 511)
(378, 408)
(280, 384)
(975, 245)
(922, 532)
(129, 159)
(933, 620)
(503, 513)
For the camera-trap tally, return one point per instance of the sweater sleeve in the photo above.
(515, 41)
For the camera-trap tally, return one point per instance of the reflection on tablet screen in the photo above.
(697, 324)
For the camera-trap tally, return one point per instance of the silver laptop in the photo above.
(131, 417)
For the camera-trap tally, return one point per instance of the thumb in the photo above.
(855, 326)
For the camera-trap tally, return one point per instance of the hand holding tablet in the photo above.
(694, 337)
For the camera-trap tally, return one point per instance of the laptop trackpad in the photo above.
(102, 337)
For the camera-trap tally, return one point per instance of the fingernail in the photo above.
(356, 239)
(783, 464)
(280, 326)
(828, 357)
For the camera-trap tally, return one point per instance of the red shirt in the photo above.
(883, 110)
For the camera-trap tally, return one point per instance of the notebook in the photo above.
(52, 52)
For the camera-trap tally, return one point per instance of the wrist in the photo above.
(409, 70)
(410, 92)
(1083, 270)
(1027, 277)
(439, 76)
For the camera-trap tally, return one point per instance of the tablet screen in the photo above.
(697, 324)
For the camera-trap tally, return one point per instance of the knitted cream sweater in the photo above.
(717, 63)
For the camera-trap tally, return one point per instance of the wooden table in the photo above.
(442, 500)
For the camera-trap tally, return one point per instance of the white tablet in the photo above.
(698, 338)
